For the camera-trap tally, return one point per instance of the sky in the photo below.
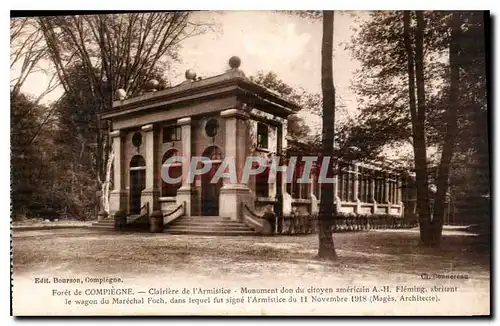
(286, 44)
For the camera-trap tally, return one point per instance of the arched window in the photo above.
(213, 153)
(137, 163)
(174, 170)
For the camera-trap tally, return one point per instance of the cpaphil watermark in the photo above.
(254, 165)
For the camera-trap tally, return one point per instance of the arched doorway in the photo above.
(137, 183)
(210, 192)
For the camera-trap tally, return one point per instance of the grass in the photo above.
(43, 222)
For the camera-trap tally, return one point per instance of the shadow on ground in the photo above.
(361, 253)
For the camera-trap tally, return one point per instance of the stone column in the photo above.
(286, 208)
(150, 194)
(336, 198)
(118, 196)
(356, 181)
(314, 201)
(232, 195)
(373, 186)
(387, 184)
(185, 193)
(274, 143)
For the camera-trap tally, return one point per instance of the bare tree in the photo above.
(326, 212)
(115, 51)
(27, 50)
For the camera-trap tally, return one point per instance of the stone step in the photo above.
(102, 226)
(202, 223)
(105, 222)
(206, 218)
(195, 225)
(210, 227)
(130, 218)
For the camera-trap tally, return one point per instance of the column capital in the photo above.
(184, 121)
(148, 127)
(116, 133)
(236, 113)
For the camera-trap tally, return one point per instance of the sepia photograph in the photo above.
(250, 163)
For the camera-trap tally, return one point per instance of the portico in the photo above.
(225, 117)
(217, 117)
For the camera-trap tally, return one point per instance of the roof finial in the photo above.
(234, 62)
(190, 75)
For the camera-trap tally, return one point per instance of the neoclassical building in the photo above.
(222, 116)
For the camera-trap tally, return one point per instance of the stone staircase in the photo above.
(208, 225)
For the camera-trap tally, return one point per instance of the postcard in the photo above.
(268, 163)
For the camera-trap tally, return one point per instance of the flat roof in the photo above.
(230, 83)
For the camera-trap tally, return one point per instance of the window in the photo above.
(340, 185)
(316, 187)
(171, 133)
(297, 189)
(211, 127)
(370, 190)
(262, 135)
(262, 183)
(345, 186)
(365, 185)
(305, 191)
(398, 191)
(361, 184)
(380, 189)
(295, 186)
(137, 139)
(393, 192)
(352, 176)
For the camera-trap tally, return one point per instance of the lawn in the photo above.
(363, 253)
(145, 260)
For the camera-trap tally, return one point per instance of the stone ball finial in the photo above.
(152, 84)
(190, 74)
(234, 62)
(120, 94)
(162, 85)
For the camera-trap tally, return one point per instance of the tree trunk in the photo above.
(451, 132)
(418, 120)
(326, 212)
(107, 181)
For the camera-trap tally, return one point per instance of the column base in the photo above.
(357, 209)
(117, 201)
(187, 196)
(314, 204)
(287, 204)
(337, 204)
(231, 197)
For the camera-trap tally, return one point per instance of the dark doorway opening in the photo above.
(210, 192)
(137, 183)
